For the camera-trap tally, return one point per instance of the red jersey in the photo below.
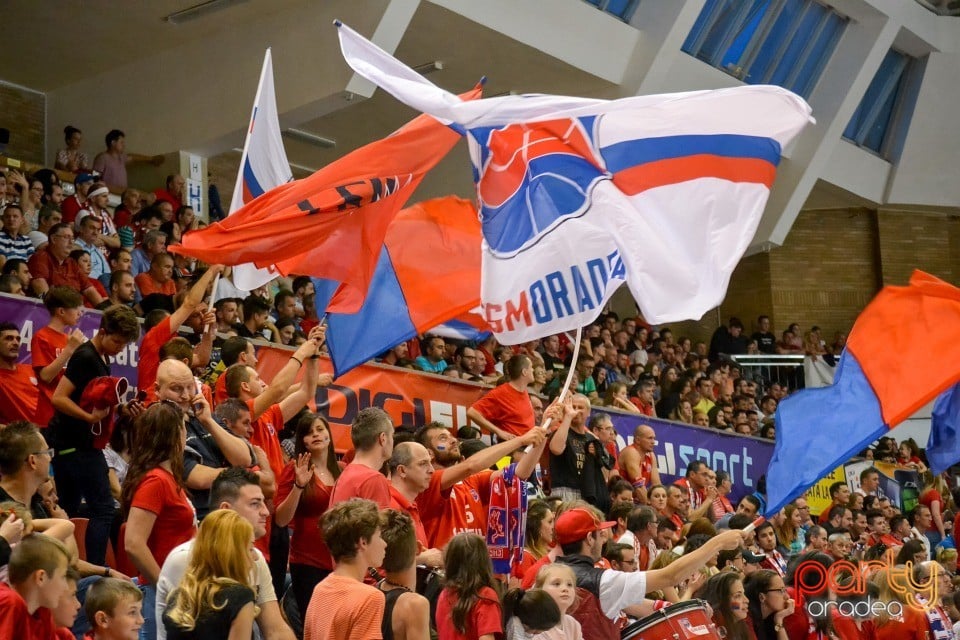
(360, 481)
(148, 286)
(912, 625)
(150, 357)
(18, 394)
(463, 507)
(16, 621)
(507, 408)
(484, 618)
(306, 544)
(176, 521)
(45, 347)
(399, 502)
(646, 470)
(265, 430)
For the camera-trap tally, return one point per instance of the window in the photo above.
(887, 97)
(781, 42)
(622, 9)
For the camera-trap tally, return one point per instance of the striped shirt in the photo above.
(19, 247)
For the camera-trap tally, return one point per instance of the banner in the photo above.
(413, 398)
(901, 484)
(31, 316)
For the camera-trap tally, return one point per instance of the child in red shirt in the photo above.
(113, 608)
(468, 608)
(37, 576)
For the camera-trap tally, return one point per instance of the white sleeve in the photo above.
(170, 576)
(619, 590)
(265, 591)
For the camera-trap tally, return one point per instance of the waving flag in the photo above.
(427, 273)
(578, 196)
(330, 225)
(263, 166)
(901, 353)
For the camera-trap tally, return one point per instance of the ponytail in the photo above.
(535, 609)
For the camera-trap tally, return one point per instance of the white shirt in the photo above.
(619, 590)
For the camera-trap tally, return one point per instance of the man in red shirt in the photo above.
(372, 437)
(840, 495)
(52, 266)
(159, 279)
(18, 383)
(37, 578)
(506, 411)
(176, 186)
(51, 348)
(638, 463)
(411, 469)
(458, 497)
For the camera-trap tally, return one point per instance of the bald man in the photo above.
(210, 447)
(638, 463)
(411, 468)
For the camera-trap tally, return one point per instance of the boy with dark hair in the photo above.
(342, 606)
(113, 608)
(80, 468)
(51, 347)
(37, 577)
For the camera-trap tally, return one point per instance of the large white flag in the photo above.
(577, 196)
(263, 166)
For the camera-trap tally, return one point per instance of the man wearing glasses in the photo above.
(24, 466)
(53, 266)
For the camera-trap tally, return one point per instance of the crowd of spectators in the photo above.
(214, 503)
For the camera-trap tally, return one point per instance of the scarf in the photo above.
(506, 519)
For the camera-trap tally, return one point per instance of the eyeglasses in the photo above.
(781, 590)
(46, 452)
(61, 236)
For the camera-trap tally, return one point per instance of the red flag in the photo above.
(332, 224)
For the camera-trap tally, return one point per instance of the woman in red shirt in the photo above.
(936, 497)
(539, 536)
(303, 494)
(158, 513)
(469, 607)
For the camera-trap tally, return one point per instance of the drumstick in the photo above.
(753, 525)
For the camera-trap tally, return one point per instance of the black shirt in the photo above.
(213, 622)
(67, 432)
(766, 342)
(201, 449)
(37, 510)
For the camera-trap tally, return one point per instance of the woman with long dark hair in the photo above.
(153, 499)
(769, 604)
(538, 537)
(727, 597)
(303, 494)
(469, 607)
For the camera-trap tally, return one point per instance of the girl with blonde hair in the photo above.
(216, 593)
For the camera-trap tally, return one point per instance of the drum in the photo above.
(682, 621)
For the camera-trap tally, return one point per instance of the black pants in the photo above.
(279, 551)
(304, 578)
(82, 476)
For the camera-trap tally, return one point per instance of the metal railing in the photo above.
(786, 369)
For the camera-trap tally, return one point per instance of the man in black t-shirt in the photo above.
(79, 467)
(766, 340)
(576, 467)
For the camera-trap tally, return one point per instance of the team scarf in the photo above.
(506, 519)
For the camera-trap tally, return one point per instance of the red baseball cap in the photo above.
(576, 524)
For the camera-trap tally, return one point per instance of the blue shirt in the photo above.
(428, 366)
(12, 248)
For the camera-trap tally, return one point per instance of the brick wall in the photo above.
(909, 240)
(23, 113)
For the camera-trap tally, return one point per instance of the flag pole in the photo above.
(566, 384)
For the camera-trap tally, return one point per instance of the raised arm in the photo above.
(277, 388)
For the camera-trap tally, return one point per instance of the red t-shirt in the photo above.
(485, 618)
(18, 394)
(16, 621)
(147, 285)
(45, 347)
(360, 481)
(43, 264)
(265, 430)
(150, 357)
(220, 389)
(507, 408)
(306, 545)
(176, 521)
(911, 626)
(399, 502)
(928, 497)
(530, 575)
(461, 508)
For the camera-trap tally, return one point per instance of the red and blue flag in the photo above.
(901, 353)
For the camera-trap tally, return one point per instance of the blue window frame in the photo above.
(782, 42)
(887, 105)
(622, 9)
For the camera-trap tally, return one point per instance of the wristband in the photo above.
(640, 484)
(315, 356)
(298, 361)
(299, 487)
(106, 572)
